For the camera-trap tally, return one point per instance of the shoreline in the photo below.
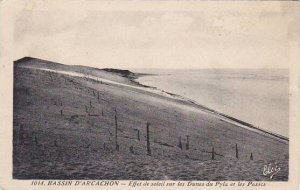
(218, 114)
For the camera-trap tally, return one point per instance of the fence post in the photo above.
(180, 144)
(251, 156)
(187, 142)
(213, 153)
(138, 134)
(61, 109)
(236, 151)
(116, 130)
(148, 140)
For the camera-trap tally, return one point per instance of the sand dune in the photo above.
(64, 128)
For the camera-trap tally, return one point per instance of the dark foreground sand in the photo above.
(64, 128)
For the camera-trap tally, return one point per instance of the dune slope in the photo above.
(64, 128)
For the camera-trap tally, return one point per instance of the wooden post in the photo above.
(180, 144)
(236, 151)
(148, 140)
(116, 130)
(187, 142)
(251, 156)
(98, 97)
(138, 135)
(61, 109)
(213, 153)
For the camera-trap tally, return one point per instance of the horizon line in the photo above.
(155, 68)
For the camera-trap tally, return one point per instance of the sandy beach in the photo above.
(64, 128)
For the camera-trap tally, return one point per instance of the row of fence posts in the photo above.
(21, 140)
(117, 147)
(213, 153)
(148, 138)
(180, 142)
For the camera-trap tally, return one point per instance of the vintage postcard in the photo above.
(149, 94)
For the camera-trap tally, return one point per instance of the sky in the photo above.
(194, 36)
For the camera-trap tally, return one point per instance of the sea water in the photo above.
(257, 96)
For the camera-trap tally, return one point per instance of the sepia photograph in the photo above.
(167, 93)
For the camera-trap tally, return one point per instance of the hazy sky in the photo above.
(244, 35)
